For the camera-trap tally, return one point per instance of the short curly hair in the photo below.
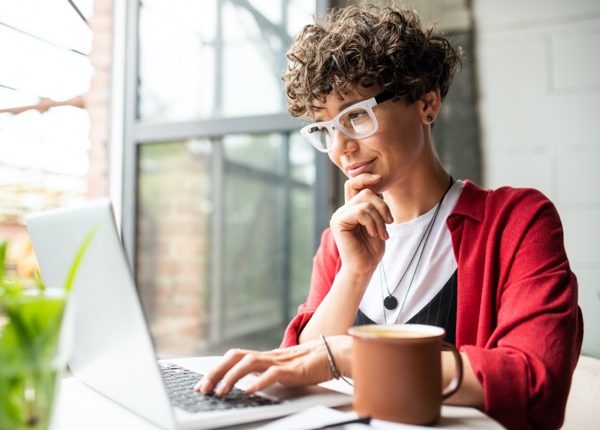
(363, 46)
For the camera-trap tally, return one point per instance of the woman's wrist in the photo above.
(353, 278)
(470, 392)
(340, 348)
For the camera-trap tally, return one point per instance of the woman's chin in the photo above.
(376, 188)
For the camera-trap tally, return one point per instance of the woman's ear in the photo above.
(431, 103)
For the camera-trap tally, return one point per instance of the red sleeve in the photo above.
(326, 265)
(526, 363)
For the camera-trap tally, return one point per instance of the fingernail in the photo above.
(375, 175)
(221, 391)
(203, 387)
(390, 218)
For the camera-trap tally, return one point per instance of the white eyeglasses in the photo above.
(357, 121)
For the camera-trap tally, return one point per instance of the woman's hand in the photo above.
(359, 230)
(301, 365)
(359, 227)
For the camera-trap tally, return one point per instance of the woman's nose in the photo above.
(341, 143)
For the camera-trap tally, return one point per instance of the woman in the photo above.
(411, 244)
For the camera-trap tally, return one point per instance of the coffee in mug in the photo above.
(397, 372)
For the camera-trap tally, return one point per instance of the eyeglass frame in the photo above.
(367, 105)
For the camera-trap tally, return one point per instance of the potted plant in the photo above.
(32, 355)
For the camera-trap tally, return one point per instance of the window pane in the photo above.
(224, 240)
(44, 160)
(302, 217)
(53, 21)
(41, 68)
(10, 98)
(214, 58)
(174, 214)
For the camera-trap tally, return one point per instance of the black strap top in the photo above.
(440, 311)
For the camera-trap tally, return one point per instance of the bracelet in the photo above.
(332, 366)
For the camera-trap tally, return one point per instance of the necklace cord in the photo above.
(425, 238)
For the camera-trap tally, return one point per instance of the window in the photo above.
(45, 47)
(220, 200)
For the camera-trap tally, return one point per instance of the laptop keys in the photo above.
(180, 384)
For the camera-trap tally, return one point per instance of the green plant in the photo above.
(31, 361)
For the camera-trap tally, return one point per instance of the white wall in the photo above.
(539, 81)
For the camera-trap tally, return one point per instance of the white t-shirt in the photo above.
(435, 267)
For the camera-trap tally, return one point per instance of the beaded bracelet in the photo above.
(332, 366)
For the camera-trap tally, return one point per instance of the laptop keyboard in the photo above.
(180, 384)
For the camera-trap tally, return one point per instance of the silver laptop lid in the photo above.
(112, 349)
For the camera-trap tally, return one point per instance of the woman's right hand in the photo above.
(300, 365)
(359, 227)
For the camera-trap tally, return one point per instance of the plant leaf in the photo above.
(79, 256)
(3, 247)
(39, 282)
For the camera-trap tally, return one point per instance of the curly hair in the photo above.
(364, 46)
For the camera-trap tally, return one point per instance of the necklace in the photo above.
(390, 302)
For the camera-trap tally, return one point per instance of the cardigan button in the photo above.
(452, 222)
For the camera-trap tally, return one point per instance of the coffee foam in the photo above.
(397, 331)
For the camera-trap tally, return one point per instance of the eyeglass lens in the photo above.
(356, 122)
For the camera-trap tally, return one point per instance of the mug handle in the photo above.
(454, 384)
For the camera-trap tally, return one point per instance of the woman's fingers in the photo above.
(238, 363)
(301, 365)
(251, 362)
(286, 373)
(355, 185)
(368, 210)
(368, 216)
(210, 380)
(368, 196)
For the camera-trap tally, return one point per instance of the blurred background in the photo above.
(175, 110)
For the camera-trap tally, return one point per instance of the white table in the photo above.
(79, 407)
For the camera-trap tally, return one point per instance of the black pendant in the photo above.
(390, 303)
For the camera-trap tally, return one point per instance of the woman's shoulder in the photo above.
(503, 196)
(501, 204)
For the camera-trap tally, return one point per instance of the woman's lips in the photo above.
(358, 168)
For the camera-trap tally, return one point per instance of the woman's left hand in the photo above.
(301, 365)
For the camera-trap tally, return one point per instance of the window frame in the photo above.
(135, 133)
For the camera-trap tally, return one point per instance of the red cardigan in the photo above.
(517, 315)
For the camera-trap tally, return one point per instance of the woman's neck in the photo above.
(418, 194)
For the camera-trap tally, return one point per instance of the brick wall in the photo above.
(538, 66)
(172, 246)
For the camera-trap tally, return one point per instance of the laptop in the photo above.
(111, 347)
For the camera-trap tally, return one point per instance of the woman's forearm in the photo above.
(336, 313)
(470, 392)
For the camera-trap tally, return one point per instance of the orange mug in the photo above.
(397, 372)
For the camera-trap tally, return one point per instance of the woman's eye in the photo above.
(357, 116)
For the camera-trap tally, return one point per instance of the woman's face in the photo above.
(397, 147)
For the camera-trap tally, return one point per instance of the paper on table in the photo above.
(340, 385)
(453, 417)
(314, 417)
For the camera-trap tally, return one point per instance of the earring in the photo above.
(429, 118)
